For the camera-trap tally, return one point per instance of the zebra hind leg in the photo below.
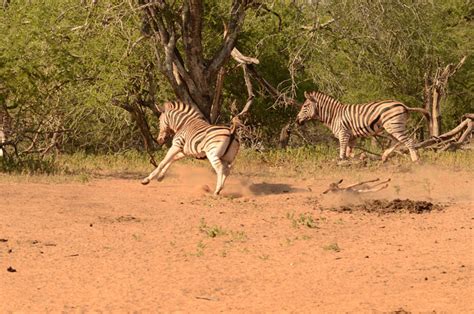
(350, 148)
(343, 145)
(219, 169)
(402, 138)
(413, 154)
(225, 171)
(408, 142)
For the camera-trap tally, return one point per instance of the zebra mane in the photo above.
(323, 97)
(181, 106)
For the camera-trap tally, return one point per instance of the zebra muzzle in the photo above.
(299, 121)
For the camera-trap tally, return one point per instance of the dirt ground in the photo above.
(269, 244)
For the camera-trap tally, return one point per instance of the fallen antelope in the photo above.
(360, 187)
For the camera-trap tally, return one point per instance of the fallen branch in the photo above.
(244, 62)
(458, 135)
(451, 140)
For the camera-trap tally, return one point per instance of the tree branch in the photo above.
(216, 100)
(237, 15)
(192, 37)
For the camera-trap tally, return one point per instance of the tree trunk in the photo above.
(435, 113)
(140, 120)
(178, 47)
(434, 91)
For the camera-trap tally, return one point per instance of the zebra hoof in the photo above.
(145, 181)
(159, 179)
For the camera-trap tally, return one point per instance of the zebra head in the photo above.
(165, 130)
(308, 110)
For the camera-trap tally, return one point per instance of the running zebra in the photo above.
(195, 137)
(347, 122)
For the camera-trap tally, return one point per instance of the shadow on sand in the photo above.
(272, 188)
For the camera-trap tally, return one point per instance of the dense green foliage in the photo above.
(62, 63)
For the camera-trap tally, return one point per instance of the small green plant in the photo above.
(332, 247)
(307, 220)
(245, 250)
(238, 236)
(200, 249)
(397, 189)
(304, 219)
(291, 217)
(211, 231)
(137, 237)
(264, 257)
(289, 241)
(83, 178)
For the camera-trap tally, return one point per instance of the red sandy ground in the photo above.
(114, 245)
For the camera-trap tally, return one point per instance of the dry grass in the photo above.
(303, 162)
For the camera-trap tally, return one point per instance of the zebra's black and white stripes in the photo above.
(347, 122)
(195, 137)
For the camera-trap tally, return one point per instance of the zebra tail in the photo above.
(235, 125)
(425, 112)
(233, 129)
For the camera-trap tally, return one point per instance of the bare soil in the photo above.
(268, 244)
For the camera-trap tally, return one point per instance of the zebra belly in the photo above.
(190, 151)
(211, 139)
(366, 132)
(365, 127)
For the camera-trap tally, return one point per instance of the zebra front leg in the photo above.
(177, 157)
(343, 141)
(350, 147)
(164, 163)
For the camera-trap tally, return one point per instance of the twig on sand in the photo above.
(206, 298)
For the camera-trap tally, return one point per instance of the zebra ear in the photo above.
(306, 95)
(168, 106)
(160, 109)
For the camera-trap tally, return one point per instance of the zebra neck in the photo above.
(330, 111)
(180, 119)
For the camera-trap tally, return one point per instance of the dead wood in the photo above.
(434, 90)
(134, 107)
(244, 62)
(452, 139)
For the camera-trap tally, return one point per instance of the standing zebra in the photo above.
(195, 137)
(347, 122)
